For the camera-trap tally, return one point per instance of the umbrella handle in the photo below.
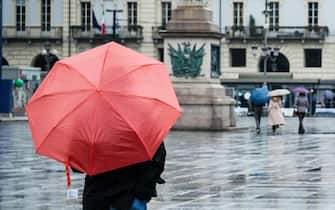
(67, 171)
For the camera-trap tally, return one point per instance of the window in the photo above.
(85, 16)
(166, 13)
(274, 16)
(238, 57)
(132, 13)
(215, 61)
(313, 58)
(238, 13)
(161, 54)
(20, 15)
(313, 13)
(46, 15)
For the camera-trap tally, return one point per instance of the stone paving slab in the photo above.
(204, 170)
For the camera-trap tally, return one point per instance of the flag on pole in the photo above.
(103, 26)
(96, 25)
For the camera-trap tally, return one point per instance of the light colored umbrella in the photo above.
(279, 92)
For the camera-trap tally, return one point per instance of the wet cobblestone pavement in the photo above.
(204, 170)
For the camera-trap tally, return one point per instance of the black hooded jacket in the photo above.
(118, 188)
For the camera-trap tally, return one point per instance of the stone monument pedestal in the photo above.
(204, 104)
(192, 44)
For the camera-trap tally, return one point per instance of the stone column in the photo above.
(147, 17)
(69, 18)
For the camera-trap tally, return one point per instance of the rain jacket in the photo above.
(301, 104)
(275, 115)
(118, 188)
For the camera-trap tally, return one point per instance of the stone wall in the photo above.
(23, 53)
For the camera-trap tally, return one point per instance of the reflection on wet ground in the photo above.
(204, 170)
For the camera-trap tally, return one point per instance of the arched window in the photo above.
(279, 64)
(44, 61)
(4, 62)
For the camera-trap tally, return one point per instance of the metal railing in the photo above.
(121, 32)
(32, 32)
(281, 32)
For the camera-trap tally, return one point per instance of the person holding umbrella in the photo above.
(275, 116)
(259, 97)
(328, 96)
(313, 102)
(127, 188)
(108, 111)
(301, 106)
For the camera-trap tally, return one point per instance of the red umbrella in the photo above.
(103, 109)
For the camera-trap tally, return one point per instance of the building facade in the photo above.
(39, 32)
(28, 28)
(301, 31)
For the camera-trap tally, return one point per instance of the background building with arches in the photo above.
(39, 32)
(302, 30)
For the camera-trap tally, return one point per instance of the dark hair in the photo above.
(302, 94)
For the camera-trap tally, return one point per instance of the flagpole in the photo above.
(114, 19)
(69, 38)
(103, 26)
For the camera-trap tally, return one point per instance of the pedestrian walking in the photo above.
(259, 97)
(301, 106)
(258, 110)
(127, 188)
(275, 116)
(109, 130)
(313, 105)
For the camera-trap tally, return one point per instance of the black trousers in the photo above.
(258, 116)
(301, 116)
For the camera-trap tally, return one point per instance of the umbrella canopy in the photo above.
(259, 96)
(279, 92)
(103, 109)
(300, 90)
(328, 94)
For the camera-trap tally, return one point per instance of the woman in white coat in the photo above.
(275, 115)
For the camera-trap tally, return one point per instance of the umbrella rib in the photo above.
(75, 108)
(132, 95)
(103, 67)
(58, 93)
(130, 125)
(79, 73)
(133, 70)
(70, 69)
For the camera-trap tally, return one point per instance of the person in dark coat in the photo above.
(313, 105)
(118, 189)
(301, 106)
(258, 110)
(258, 98)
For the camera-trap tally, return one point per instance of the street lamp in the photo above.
(266, 52)
(114, 11)
(46, 54)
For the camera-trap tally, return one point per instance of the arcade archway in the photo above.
(4, 62)
(44, 61)
(279, 64)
